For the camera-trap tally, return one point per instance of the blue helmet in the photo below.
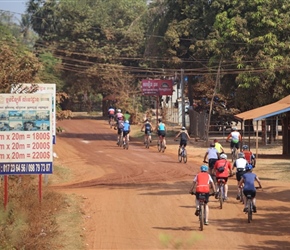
(204, 168)
(249, 167)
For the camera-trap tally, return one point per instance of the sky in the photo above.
(13, 6)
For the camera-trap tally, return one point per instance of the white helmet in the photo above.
(119, 110)
(223, 156)
(127, 121)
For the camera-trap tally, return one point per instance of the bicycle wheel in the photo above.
(159, 145)
(162, 146)
(201, 216)
(146, 143)
(241, 196)
(250, 210)
(121, 141)
(233, 154)
(179, 155)
(127, 144)
(184, 156)
(221, 196)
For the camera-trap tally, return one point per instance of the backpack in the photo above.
(222, 168)
(120, 124)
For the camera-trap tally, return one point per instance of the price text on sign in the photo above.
(25, 134)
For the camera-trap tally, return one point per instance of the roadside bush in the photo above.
(26, 223)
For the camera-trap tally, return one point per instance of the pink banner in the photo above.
(157, 87)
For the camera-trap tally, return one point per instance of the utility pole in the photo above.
(182, 98)
(213, 95)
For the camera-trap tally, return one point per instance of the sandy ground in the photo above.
(138, 198)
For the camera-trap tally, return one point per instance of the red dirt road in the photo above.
(138, 198)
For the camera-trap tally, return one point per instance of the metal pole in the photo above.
(5, 191)
(182, 98)
(157, 104)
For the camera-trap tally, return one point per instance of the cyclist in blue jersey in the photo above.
(126, 131)
(161, 131)
(249, 179)
(148, 129)
(183, 134)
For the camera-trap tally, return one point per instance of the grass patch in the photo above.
(169, 242)
(27, 223)
(60, 174)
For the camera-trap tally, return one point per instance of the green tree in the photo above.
(17, 63)
(93, 39)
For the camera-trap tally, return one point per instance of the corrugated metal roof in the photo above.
(266, 111)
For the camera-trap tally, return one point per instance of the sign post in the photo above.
(157, 87)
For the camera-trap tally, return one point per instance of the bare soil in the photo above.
(138, 198)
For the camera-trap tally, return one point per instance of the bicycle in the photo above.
(202, 208)
(147, 141)
(160, 144)
(250, 205)
(182, 154)
(111, 122)
(126, 143)
(120, 141)
(234, 154)
(221, 191)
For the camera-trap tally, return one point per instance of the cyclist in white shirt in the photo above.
(240, 164)
(212, 155)
(235, 137)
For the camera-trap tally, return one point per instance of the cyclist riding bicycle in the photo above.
(119, 115)
(248, 180)
(183, 134)
(119, 126)
(203, 183)
(212, 155)
(218, 146)
(240, 164)
(249, 156)
(222, 169)
(126, 131)
(161, 131)
(111, 113)
(148, 129)
(235, 137)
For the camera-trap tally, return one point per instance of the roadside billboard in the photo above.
(157, 87)
(41, 88)
(26, 134)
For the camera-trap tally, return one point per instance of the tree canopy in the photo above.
(107, 46)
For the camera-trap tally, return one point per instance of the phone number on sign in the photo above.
(26, 168)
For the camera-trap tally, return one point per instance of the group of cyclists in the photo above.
(219, 168)
(122, 124)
